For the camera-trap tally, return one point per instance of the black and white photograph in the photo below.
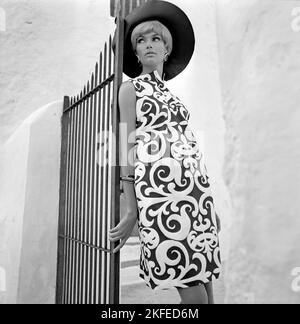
(149, 154)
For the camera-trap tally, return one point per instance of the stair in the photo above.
(133, 288)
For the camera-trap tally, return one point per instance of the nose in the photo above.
(149, 45)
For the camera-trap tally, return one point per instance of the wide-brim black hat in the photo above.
(180, 28)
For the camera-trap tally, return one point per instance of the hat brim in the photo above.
(180, 28)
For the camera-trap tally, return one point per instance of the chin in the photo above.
(150, 62)
(151, 65)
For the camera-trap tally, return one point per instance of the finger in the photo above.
(118, 235)
(116, 250)
(114, 235)
(113, 230)
(113, 240)
(119, 247)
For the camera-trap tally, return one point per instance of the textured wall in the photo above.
(260, 71)
(49, 50)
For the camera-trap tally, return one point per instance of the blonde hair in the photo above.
(152, 26)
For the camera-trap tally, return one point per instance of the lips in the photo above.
(150, 53)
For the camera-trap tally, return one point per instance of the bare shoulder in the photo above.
(127, 93)
(127, 88)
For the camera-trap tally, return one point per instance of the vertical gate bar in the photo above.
(104, 214)
(107, 176)
(90, 192)
(95, 137)
(73, 201)
(68, 198)
(80, 154)
(74, 209)
(91, 206)
(69, 210)
(98, 193)
(87, 222)
(87, 239)
(102, 186)
(63, 189)
(82, 201)
(101, 282)
(82, 215)
(70, 249)
(65, 273)
(94, 152)
(73, 205)
(89, 197)
(83, 260)
(115, 207)
(95, 300)
(109, 168)
(106, 165)
(76, 202)
(91, 122)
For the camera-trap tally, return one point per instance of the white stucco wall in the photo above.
(29, 199)
(260, 71)
(48, 50)
(12, 200)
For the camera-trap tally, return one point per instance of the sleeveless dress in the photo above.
(176, 216)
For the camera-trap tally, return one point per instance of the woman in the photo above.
(166, 186)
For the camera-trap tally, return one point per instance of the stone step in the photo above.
(130, 276)
(130, 253)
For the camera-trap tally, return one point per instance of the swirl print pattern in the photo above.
(176, 216)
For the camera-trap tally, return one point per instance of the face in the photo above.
(151, 50)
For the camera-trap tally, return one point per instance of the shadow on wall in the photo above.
(29, 209)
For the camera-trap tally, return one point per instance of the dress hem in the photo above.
(191, 284)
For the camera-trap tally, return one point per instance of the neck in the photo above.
(159, 69)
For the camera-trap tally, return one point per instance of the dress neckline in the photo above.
(155, 74)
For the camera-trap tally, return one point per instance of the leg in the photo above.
(210, 293)
(193, 295)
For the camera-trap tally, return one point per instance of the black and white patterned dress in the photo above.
(176, 219)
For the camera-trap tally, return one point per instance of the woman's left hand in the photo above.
(122, 231)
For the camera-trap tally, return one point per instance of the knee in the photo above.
(195, 300)
(194, 295)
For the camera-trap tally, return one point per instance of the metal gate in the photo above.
(87, 271)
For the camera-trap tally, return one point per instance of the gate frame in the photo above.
(116, 192)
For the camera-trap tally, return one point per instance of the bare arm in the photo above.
(127, 104)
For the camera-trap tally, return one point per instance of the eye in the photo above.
(156, 38)
(140, 40)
